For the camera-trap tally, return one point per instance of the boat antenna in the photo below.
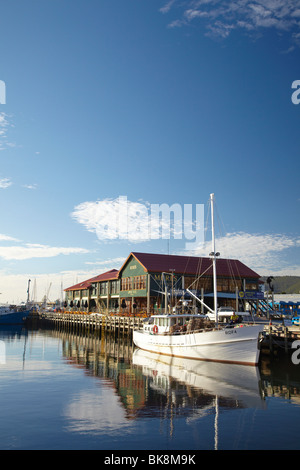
(214, 255)
(29, 281)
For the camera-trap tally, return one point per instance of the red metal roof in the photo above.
(109, 275)
(193, 265)
(112, 274)
(156, 263)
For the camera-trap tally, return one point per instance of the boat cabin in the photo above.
(163, 324)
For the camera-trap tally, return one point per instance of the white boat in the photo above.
(194, 337)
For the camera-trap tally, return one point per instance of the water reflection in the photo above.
(103, 388)
(147, 382)
(151, 385)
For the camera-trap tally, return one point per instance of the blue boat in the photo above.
(13, 316)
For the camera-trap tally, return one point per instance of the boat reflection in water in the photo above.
(142, 385)
(208, 387)
(97, 392)
(239, 385)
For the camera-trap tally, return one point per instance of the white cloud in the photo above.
(14, 286)
(108, 263)
(30, 186)
(7, 238)
(261, 252)
(136, 222)
(166, 8)
(223, 16)
(29, 250)
(5, 183)
(5, 124)
(118, 218)
(99, 412)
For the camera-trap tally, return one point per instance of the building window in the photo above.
(114, 287)
(126, 283)
(142, 282)
(136, 283)
(94, 290)
(103, 288)
(251, 285)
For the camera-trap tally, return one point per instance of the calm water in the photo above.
(63, 391)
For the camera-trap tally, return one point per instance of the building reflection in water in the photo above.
(136, 384)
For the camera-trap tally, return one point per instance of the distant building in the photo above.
(146, 280)
(96, 293)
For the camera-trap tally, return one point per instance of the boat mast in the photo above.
(29, 281)
(214, 255)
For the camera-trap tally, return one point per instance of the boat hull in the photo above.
(14, 318)
(237, 345)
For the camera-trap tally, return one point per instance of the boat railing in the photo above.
(185, 332)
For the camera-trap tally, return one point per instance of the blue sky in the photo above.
(161, 102)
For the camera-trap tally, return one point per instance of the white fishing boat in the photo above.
(196, 337)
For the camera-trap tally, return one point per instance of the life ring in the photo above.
(155, 329)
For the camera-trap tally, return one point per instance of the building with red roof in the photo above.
(146, 280)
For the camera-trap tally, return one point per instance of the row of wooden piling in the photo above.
(277, 338)
(78, 322)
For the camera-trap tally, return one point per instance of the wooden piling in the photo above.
(79, 323)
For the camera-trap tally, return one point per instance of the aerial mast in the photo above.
(29, 281)
(213, 254)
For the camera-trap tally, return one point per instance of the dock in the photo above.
(277, 338)
(90, 322)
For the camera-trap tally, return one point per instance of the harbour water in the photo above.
(60, 390)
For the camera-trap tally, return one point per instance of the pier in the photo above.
(91, 322)
(277, 338)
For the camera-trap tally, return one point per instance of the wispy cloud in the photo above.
(30, 186)
(30, 250)
(221, 17)
(5, 183)
(7, 238)
(24, 251)
(14, 286)
(138, 221)
(119, 218)
(108, 263)
(5, 124)
(264, 253)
